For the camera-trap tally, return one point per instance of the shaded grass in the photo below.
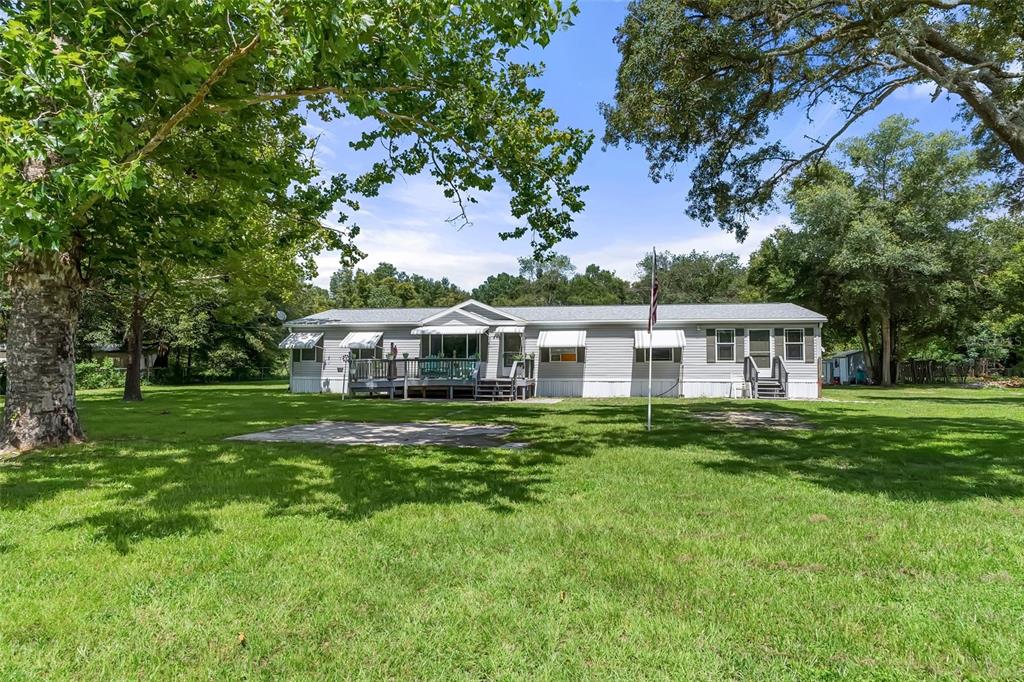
(884, 543)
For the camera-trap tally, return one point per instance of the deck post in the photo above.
(405, 387)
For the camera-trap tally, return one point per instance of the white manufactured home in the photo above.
(729, 350)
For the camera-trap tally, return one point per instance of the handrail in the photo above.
(780, 373)
(750, 375)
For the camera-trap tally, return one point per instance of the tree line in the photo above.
(552, 280)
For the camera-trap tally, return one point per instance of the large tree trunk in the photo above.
(886, 349)
(40, 406)
(894, 353)
(865, 343)
(133, 377)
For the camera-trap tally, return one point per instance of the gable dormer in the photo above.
(471, 312)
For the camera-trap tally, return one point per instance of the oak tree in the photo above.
(93, 95)
(702, 81)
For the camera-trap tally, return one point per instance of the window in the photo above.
(725, 345)
(461, 346)
(375, 353)
(795, 344)
(562, 354)
(512, 348)
(761, 348)
(308, 354)
(660, 354)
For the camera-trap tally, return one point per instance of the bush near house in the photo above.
(98, 374)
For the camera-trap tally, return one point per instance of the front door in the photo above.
(761, 348)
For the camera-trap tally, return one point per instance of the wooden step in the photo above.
(494, 389)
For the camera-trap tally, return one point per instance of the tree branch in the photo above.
(168, 126)
(227, 105)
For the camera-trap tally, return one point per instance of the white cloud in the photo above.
(916, 91)
(408, 226)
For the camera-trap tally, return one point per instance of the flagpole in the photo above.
(650, 340)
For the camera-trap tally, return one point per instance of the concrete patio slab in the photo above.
(752, 420)
(379, 433)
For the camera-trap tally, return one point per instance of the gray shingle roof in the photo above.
(713, 312)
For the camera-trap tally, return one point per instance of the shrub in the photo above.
(98, 374)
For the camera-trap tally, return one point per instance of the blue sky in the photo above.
(626, 212)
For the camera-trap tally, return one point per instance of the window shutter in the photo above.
(545, 355)
(638, 355)
(424, 346)
(581, 354)
(780, 342)
(809, 344)
(483, 341)
(740, 345)
(677, 355)
(712, 338)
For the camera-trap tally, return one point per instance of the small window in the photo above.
(660, 354)
(562, 355)
(375, 353)
(725, 346)
(795, 344)
(308, 354)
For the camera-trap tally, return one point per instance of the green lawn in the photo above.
(887, 542)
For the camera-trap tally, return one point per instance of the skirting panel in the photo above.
(304, 385)
(660, 388)
(712, 389)
(605, 389)
(560, 388)
(804, 390)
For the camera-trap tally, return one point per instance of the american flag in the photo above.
(652, 318)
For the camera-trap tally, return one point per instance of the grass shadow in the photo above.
(162, 468)
(161, 486)
(915, 458)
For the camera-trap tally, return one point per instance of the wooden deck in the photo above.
(437, 377)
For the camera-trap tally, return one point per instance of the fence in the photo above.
(935, 372)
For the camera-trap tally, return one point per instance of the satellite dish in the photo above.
(282, 315)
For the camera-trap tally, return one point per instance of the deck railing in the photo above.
(391, 369)
(523, 367)
(780, 373)
(750, 375)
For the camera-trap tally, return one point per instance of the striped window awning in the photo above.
(662, 338)
(361, 340)
(451, 329)
(510, 330)
(562, 339)
(301, 340)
